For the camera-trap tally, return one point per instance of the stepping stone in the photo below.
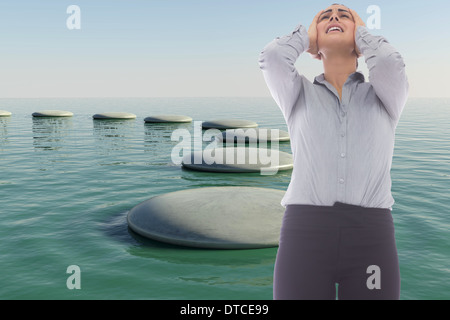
(212, 217)
(253, 135)
(167, 118)
(238, 160)
(114, 115)
(228, 124)
(4, 113)
(52, 113)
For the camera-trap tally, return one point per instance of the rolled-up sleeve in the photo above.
(277, 61)
(387, 73)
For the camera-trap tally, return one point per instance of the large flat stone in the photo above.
(238, 159)
(167, 118)
(114, 115)
(52, 113)
(213, 217)
(228, 124)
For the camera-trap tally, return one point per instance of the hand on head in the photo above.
(312, 33)
(358, 22)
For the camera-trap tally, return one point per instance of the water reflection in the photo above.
(253, 179)
(113, 135)
(116, 227)
(4, 122)
(158, 144)
(50, 133)
(184, 255)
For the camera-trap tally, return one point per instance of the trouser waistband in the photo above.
(340, 214)
(339, 206)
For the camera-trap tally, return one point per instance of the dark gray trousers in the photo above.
(348, 245)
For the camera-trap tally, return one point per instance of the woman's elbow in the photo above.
(269, 55)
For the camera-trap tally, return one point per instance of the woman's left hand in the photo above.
(358, 22)
(313, 49)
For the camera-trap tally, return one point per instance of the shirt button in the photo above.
(343, 155)
(343, 113)
(341, 181)
(342, 134)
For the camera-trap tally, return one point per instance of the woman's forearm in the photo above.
(277, 64)
(386, 71)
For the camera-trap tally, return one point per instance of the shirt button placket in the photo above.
(342, 153)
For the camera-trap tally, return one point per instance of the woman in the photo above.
(337, 227)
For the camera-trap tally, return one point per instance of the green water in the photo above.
(66, 185)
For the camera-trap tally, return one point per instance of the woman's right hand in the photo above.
(358, 22)
(313, 49)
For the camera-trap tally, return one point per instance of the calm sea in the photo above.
(67, 184)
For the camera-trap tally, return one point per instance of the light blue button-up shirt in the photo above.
(342, 149)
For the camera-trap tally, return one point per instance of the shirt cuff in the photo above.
(364, 39)
(298, 39)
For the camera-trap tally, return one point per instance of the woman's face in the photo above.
(336, 29)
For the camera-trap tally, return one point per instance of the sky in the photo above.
(191, 48)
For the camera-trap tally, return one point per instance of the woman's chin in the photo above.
(336, 45)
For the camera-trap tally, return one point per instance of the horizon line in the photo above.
(175, 97)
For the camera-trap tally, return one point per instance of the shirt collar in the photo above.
(354, 77)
